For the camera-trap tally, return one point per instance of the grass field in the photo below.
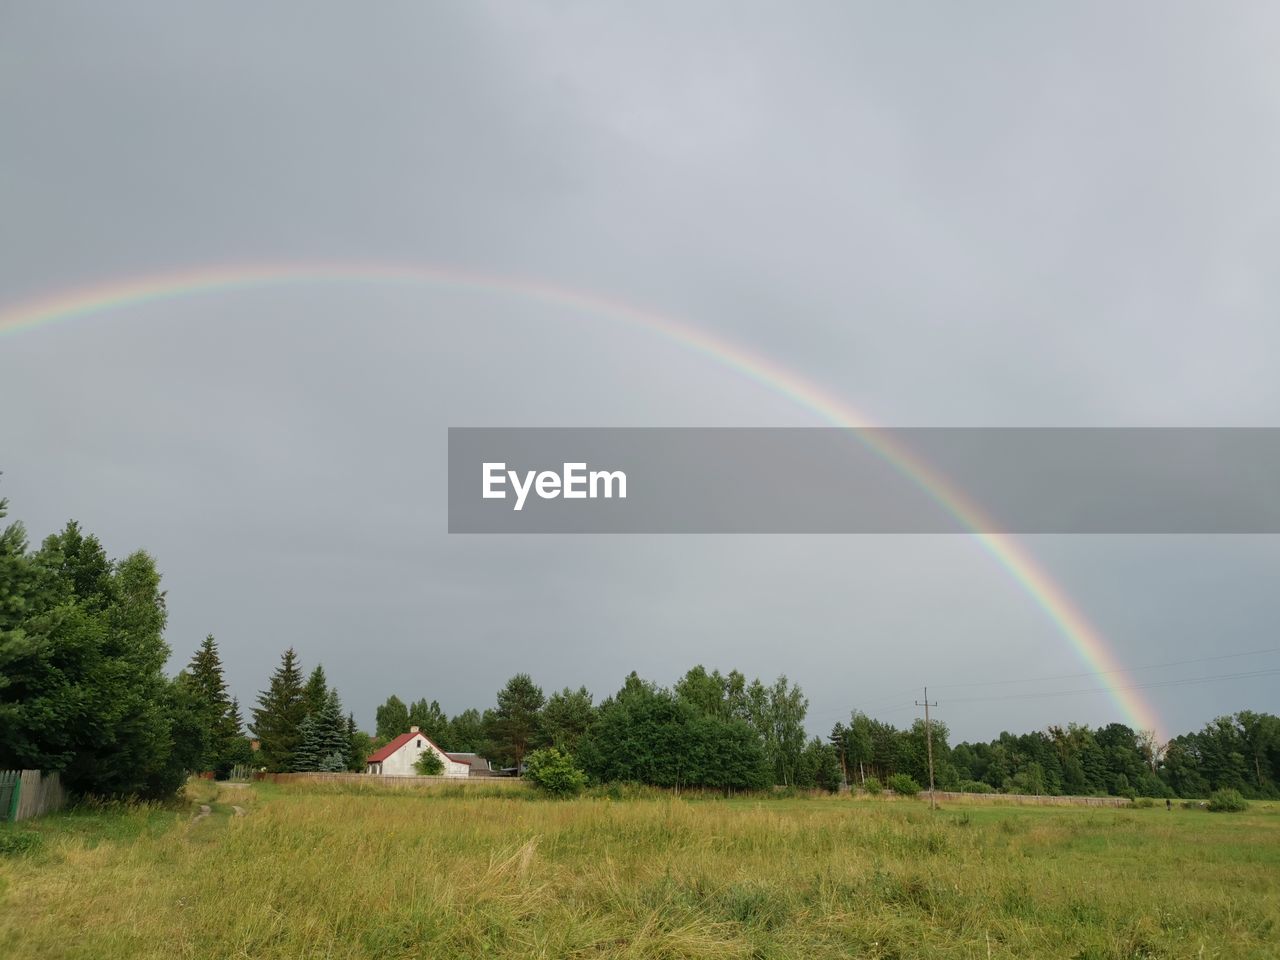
(314, 871)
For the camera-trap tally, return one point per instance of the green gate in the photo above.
(10, 788)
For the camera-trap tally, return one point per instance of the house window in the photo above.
(419, 744)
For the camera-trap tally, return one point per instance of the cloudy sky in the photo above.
(1006, 214)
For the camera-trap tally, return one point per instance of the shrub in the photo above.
(554, 772)
(904, 785)
(429, 764)
(1227, 801)
(872, 786)
(1144, 802)
(976, 786)
(15, 842)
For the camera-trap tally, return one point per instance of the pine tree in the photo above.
(516, 722)
(277, 720)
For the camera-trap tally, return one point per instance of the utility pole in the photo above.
(928, 740)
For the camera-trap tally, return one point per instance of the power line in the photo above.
(888, 707)
(897, 705)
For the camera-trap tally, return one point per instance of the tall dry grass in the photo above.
(365, 873)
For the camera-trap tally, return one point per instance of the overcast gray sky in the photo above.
(995, 214)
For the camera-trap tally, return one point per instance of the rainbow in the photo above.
(1067, 618)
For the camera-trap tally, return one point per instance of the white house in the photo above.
(398, 757)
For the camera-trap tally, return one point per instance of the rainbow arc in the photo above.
(1068, 619)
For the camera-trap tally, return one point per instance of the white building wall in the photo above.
(401, 763)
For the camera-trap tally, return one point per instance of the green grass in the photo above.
(344, 872)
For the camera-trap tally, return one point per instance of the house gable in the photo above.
(398, 758)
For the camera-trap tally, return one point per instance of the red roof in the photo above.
(383, 752)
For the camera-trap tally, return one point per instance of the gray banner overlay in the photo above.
(914, 480)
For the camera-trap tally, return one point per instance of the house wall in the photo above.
(400, 763)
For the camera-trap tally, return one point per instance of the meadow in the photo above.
(313, 870)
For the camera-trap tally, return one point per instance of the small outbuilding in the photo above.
(479, 766)
(398, 758)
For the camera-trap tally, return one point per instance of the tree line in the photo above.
(1240, 752)
(720, 731)
(83, 691)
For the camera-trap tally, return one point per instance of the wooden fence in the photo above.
(370, 779)
(29, 793)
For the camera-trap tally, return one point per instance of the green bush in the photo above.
(554, 772)
(1144, 802)
(902, 784)
(976, 786)
(872, 786)
(14, 842)
(429, 764)
(1227, 801)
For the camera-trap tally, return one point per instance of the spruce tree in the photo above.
(323, 735)
(331, 727)
(238, 752)
(208, 687)
(277, 720)
(316, 690)
(306, 757)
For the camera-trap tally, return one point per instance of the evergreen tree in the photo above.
(205, 671)
(277, 720)
(316, 690)
(204, 675)
(239, 751)
(323, 735)
(306, 755)
(331, 728)
(515, 724)
(359, 744)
